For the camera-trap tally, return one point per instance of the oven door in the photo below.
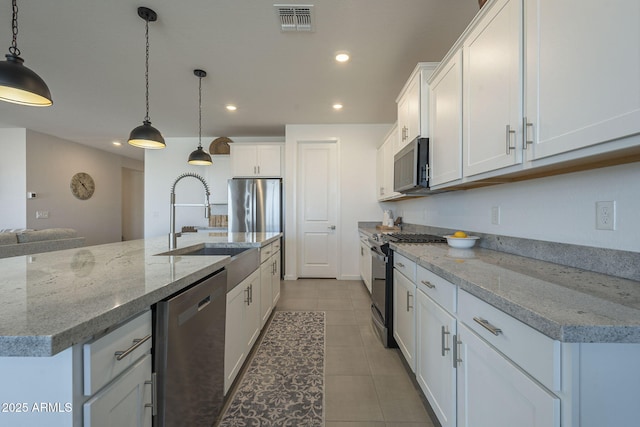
(379, 282)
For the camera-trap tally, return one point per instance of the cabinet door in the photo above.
(243, 160)
(253, 316)
(493, 392)
(445, 121)
(235, 347)
(492, 84)
(268, 160)
(380, 194)
(365, 264)
(388, 166)
(403, 122)
(582, 68)
(275, 283)
(265, 291)
(122, 402)
(413, 104)
(404, 292)
(434, 358)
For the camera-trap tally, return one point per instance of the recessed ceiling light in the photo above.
(117, 143)
(342, 57)
(337, 106)
(231, 107)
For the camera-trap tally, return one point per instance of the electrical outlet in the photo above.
(606, 215)
(495, 215)
(42, 214)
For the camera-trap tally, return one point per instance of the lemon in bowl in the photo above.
(461, 240)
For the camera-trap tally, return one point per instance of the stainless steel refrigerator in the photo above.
(255, 204)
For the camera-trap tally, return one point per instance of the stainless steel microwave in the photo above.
(411, 168)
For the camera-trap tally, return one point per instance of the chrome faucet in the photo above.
(173, 236)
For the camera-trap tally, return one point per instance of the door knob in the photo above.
(332, 227)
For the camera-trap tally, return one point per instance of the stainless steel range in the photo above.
(382, 279)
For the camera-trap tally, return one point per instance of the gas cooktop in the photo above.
(415, 238)
(409, 238)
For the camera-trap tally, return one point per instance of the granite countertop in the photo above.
(53, 300)
(565, 303)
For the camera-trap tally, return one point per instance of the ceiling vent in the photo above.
(295, 17)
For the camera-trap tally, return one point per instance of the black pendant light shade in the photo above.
(199, 156)
(145, 135)
(18, 84)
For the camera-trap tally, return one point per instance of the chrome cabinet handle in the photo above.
(456, 351)
(525, 133)
(251, 293)
(154, 393)
(445, 336)
(246, 300)
(258, 169)
(488, 326)
(401, 265)
(409, 306)
(428, 284)
(509, 133)
(136, 343)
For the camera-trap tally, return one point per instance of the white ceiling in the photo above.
(91, 54)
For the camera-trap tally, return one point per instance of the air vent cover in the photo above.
(295, 17)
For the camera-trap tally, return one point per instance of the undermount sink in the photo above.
(244, 260)
(209, 250)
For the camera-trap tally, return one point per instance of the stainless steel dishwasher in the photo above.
(189, 354)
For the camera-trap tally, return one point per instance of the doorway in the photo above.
(132, 204)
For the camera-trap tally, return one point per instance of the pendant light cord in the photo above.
(146, 72)
(199, 112)
(14, 27)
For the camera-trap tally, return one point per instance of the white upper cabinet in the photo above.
(445, 122)
(259, 160)
(413, 105)
(384, 166)
(492, 84)
(582, 73)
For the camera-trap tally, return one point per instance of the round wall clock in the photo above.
(82, 186)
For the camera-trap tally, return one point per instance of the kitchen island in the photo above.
(53, 303)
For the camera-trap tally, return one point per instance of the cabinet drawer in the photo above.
(440, 290)
(100, 360)
(266, 252)
(533, 351)
(275, 246)
(405, 266)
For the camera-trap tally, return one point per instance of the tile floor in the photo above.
(366, 384)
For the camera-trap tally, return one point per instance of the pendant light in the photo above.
(18, 84)
(145, 135)
(199, 156)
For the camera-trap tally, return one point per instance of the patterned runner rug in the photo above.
(284, 383)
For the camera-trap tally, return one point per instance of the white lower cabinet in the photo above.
(243, 325)
(404, 323)
(269, 278)
(435, 369)
(125, 402)
(365, 261)
(494, 392)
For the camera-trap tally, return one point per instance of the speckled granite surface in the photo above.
(53, 300)
(564, 303)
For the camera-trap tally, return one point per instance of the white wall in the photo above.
(557, 209)
(51, 164)
(357, 172)
(13, 178)
(162, 167)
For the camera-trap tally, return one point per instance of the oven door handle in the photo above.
(379, 255)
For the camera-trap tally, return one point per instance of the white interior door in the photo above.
(317, 200)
